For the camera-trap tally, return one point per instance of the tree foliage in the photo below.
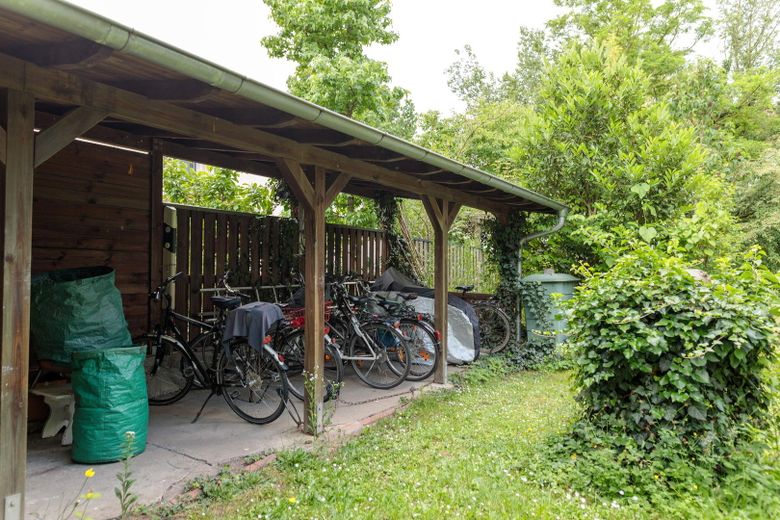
(657, 35)
(750, 33)
(216, 188)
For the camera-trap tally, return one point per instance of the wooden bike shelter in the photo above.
(68, 74)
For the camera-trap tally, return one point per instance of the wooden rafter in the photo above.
(65, 88)
(63, 55)
(217, 159)
(169, 89)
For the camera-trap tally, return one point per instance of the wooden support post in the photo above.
(442, 214)
(19, 123)
(311, 197)
(156, 225)
(2, 144)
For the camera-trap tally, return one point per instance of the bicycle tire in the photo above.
(423, 346)
(391, 365)
(292, 348)
(495, 328)
(253, 383)
(170, 378)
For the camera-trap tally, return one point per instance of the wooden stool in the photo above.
(62, 405)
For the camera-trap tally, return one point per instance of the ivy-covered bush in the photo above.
(659, 348)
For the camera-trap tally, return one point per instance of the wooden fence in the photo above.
(258, 251)
(263, 251)
(468, 265)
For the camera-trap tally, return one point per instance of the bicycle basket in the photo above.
(295, 315)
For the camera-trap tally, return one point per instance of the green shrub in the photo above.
(659, 348)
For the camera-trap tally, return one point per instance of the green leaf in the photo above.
(641, 189)
(648, 233)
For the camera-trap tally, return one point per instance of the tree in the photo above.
(659, 35)
(598, 141)
(750, 32)
(327, 38)
(327, 28)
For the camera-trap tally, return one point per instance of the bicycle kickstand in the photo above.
(212, 394)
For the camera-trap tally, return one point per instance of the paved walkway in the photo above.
(178, 451)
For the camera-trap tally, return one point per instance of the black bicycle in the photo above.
(374, 345)
(495, 329)
(252, 381)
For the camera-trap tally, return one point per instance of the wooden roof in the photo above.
(195, 120)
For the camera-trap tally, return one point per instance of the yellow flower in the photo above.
(89, 473)
(292, 500)
(573, 456)
(90, 495)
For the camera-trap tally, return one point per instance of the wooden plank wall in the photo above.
(92, 207)
(211, 241)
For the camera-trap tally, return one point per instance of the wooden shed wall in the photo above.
(92, 207)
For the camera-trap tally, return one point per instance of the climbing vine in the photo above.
(501, 241)
(399, 250)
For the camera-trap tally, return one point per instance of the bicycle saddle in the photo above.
(407, 296)
(226, 302)
(358, 299)
(465, 288)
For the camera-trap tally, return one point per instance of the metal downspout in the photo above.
(523, 241)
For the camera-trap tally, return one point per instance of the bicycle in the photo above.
(495, 328)
(375, 347)
(288, 341)
(423, 339)
(253, 382)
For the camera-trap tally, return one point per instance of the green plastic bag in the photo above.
(110, 390)
(74, 310)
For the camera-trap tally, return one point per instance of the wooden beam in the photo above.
(296, 179)
(168, 89)
(2, 145)
(434, 210)
(453, 214)
(100, 133)
(64, 131)
(336, 187)
(221, 160)
(62, 87)
(314, 289)
(15, 333)
(63, 55)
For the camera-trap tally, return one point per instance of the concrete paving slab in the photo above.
(178, 450)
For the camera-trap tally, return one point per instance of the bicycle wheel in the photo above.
(380, 355)
(494, 328)
(423, 349)
(253, 383)
(169, 370)
(292, 348)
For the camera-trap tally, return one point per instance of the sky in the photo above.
(228, 32)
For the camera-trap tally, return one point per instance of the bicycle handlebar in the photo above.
(159, 290)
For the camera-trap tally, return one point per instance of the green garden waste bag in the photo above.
(110, 390)
(74, 310)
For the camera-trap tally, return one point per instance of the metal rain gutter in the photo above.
(104, 31)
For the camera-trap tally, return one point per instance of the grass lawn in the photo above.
(459, 454)
(452, 455)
